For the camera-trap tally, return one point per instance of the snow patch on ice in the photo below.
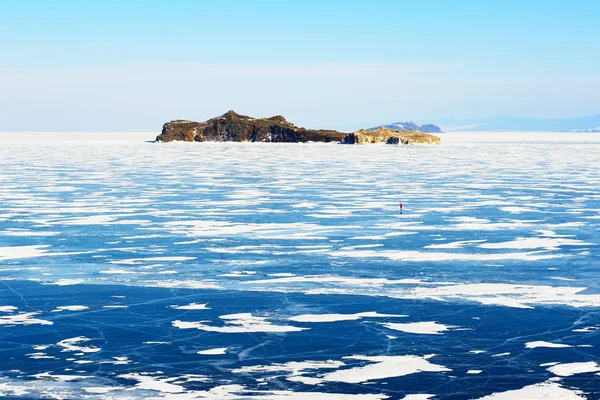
(569, 369)
(239, 323)
(213, 352)
(192, 306)
(421, 328)
(70, 308)
(545, 390)
(536, 344)
(340, 317)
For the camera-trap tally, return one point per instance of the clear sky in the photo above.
(132, 65)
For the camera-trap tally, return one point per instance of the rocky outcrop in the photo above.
(233, 127)
(411, 126)
(390, 136)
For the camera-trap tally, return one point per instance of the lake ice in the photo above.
(130, 269)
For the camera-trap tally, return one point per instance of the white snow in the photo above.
(68, 282)
(153, 382)
(547, 243)
(70, 308)
(536, 344)
(192, 306)
(60, 378)
(569, 369)
(213, 352)
(340, 317)
(16, 252)
(417, 256)
(73, 344)
(295, 370)
(421, 328)
(23, 318)
(382, 367)
(545, 390)
(239, 323)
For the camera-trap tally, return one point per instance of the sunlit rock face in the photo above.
(233, 127)
(390, 136)
(411, 126)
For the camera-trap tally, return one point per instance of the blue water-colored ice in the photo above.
(131, 269)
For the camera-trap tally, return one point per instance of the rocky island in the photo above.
(411, 126)
(233, 127)
(390, 136)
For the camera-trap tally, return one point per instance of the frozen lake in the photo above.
(130, 269)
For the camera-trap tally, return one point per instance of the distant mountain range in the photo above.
(411, 126)
(508, 124)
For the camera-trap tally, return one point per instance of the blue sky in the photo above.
(131, 65)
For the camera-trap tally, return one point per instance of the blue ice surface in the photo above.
(279, 231)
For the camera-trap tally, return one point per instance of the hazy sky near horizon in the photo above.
(132, 65)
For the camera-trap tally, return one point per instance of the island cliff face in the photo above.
(411, 126)
(233, 127)
(390, 136)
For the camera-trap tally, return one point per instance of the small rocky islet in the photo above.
(233, 127)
